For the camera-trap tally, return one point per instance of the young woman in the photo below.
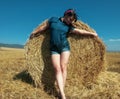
(59, 45)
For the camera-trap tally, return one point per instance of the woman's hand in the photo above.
(95, 34)
(32, 35)
(40, 29)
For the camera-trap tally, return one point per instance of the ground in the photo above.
(15, 83)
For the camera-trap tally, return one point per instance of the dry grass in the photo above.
(16, 84)
(14, 81)
(113, 63)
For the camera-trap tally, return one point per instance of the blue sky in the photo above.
(19, 17)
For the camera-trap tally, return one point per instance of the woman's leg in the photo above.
(58, 73)
(63, 62)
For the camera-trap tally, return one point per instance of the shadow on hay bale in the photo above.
(86, 60)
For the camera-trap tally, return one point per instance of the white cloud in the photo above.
(114, 40)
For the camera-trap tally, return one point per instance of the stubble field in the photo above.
(14, 84)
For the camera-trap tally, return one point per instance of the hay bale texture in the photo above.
(86, 60)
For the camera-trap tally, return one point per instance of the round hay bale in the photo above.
(86, 60)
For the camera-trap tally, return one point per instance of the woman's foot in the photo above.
(61, 96)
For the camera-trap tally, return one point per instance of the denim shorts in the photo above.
(55, 49)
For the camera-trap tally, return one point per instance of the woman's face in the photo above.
(69, 19)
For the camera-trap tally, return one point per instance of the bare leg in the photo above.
(58, 73)
(64, 61)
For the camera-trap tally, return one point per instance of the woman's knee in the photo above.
(64, 66)
(58, 69)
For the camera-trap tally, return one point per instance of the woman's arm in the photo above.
(40, 29)
(83, 32)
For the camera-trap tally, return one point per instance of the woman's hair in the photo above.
(71, 12)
